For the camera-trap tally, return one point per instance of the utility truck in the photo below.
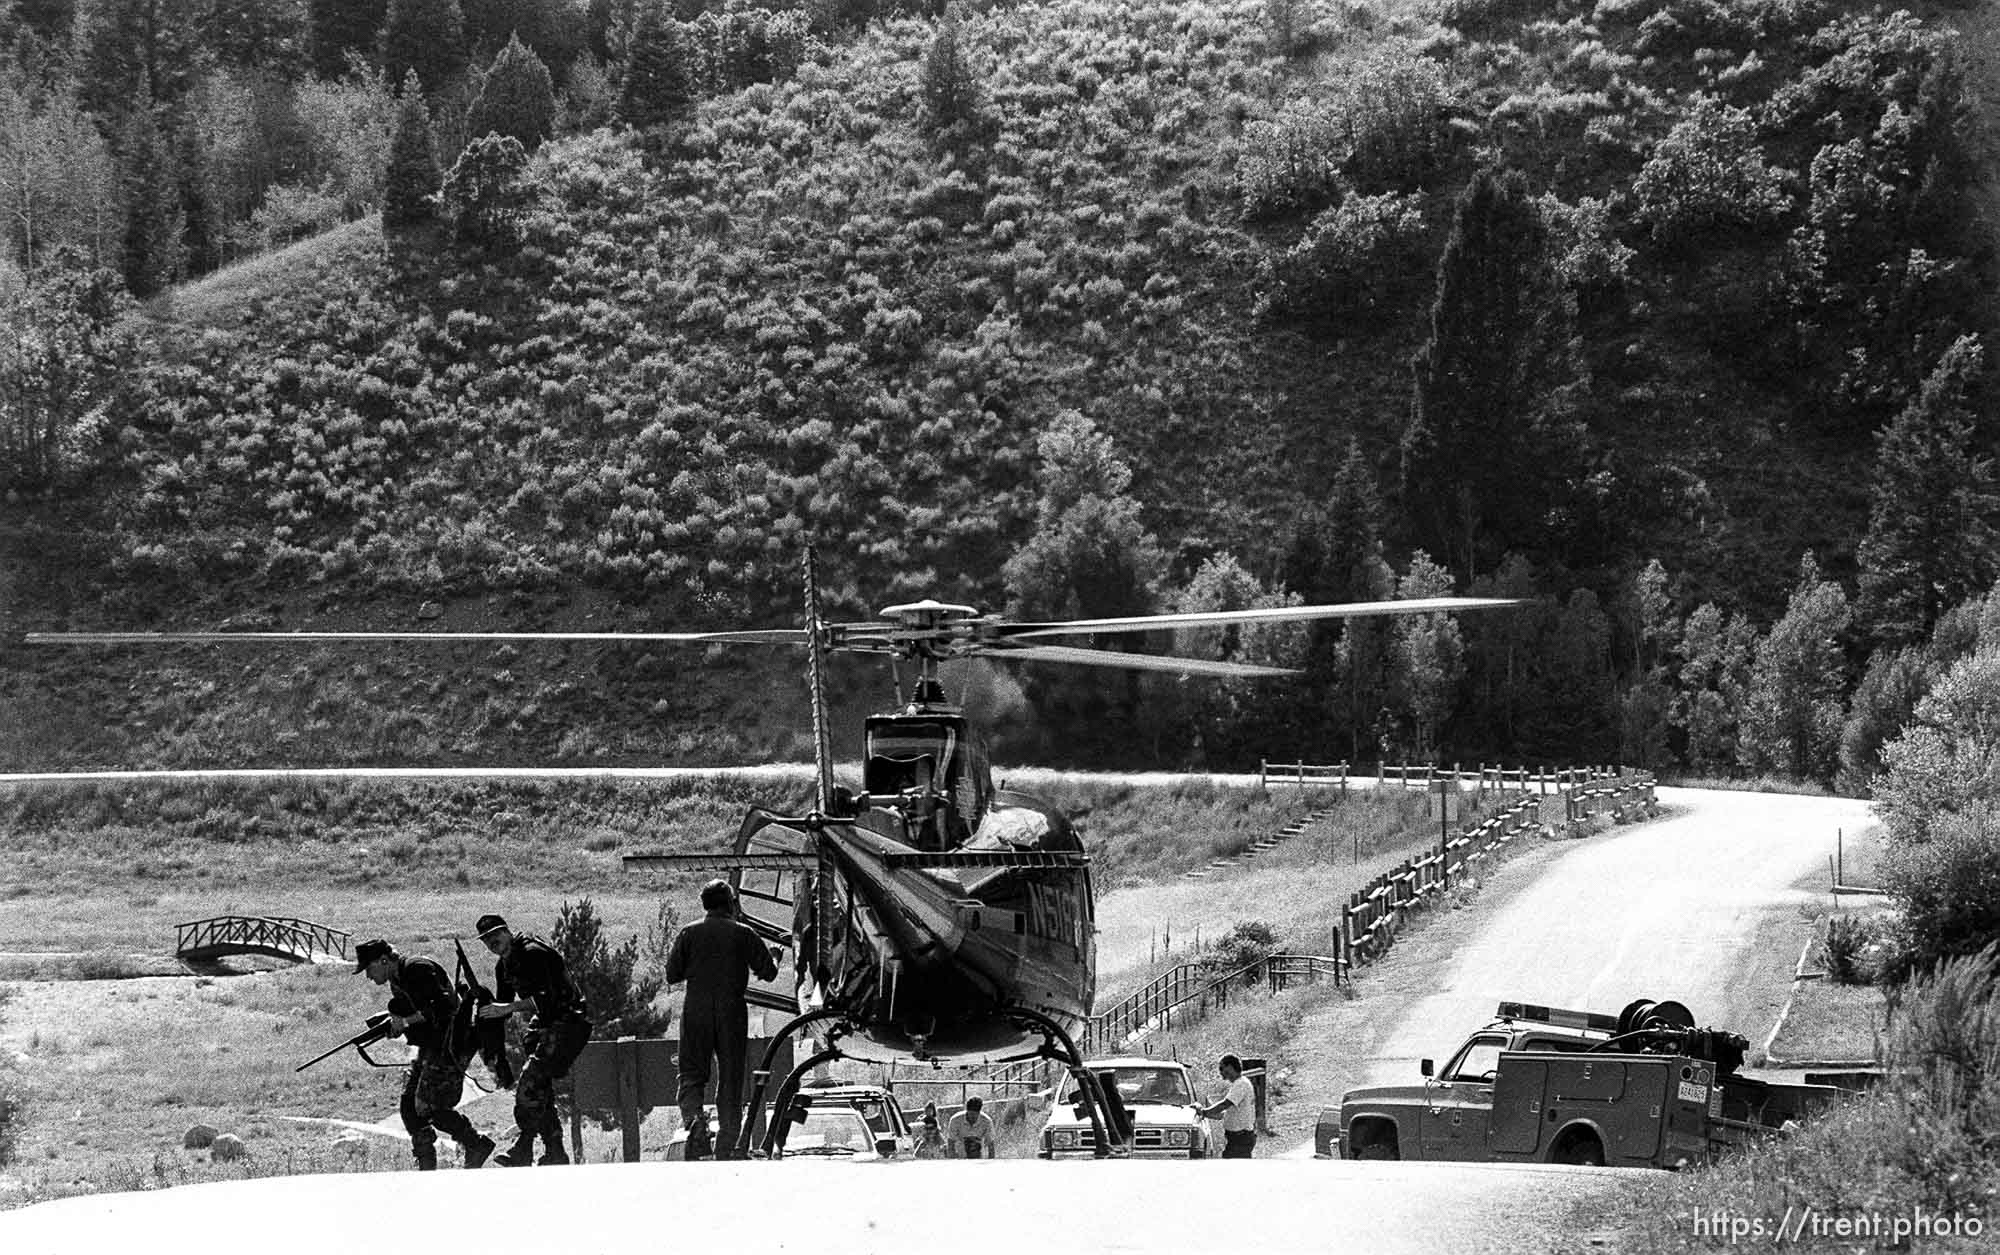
(1643, 1088)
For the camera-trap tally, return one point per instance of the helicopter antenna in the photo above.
(816, 640)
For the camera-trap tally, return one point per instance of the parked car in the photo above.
(877, 1106)
(1158, 1097)
(819, 1130)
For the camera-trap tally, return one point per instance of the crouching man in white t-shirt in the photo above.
(1238, 1109)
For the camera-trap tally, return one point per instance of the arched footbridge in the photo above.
(299, 940)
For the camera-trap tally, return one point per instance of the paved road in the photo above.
(1271, 1208)
(1661, 910)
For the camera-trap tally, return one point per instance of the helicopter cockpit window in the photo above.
(888, 775)
(894, 751)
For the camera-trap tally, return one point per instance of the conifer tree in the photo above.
(123, 46)
(409, 197)
(155, 221)
(1490, 431)
(344, 27)
(427, 36)
(1930, 541)
(518, 98)
(659, 83)
(1335, 554)
(946, 86)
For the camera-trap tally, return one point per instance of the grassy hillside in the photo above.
(812, 313)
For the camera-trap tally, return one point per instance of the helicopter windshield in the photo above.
(909, 756)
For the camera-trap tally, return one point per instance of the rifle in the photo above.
(378, 1028)
(470, 1034)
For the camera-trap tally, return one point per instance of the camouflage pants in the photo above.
(552, 1048)
(430, 1103)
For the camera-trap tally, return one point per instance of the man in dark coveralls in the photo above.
(716, 957)
(530, 975)
(422, 1003)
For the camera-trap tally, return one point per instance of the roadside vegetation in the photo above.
(1064, 308)
(1921, 1144)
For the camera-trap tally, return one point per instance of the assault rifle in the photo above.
(471, 1035)
(378, 1028)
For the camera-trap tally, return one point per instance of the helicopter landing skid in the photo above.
(1056, 1044)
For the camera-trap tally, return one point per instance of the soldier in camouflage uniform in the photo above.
(421, 1005)
(530, 975)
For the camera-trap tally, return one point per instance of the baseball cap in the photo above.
(487, 923)
(369, 951)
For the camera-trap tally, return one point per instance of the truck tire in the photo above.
(1382, 1147)
(1580, 1149)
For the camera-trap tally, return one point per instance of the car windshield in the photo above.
(875, 1110)
(1478, 1061)
(831, 1131)
(1143, 1085)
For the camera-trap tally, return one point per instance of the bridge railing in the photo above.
(300, 937)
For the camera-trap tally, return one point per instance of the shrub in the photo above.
(1708, 177)
(1945, 1054)
(1246, 942)
(620, 1004)
(487, 192)
(1948, 886)
(1842, 946)
(1351, 260)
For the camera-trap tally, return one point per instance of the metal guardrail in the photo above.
(299, 939)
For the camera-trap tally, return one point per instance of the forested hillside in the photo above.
(1668, 316)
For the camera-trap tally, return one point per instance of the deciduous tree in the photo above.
(1716, 650)
(65, 350)
(57, 182)
(1429, 655)
(1793, 711)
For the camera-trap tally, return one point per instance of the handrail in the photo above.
(298, 938)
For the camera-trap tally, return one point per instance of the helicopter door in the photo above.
(769, 902)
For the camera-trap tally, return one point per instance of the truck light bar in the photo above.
(1556, 1015)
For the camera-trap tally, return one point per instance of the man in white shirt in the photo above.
(970, 1134)
(1238, 1109)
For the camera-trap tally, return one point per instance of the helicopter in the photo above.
(931, 916)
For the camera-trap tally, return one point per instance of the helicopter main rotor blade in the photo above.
(774, 636)
(1270, 614)
(1135, 662)
(989, 858)
(725, 862)
(310, 775)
